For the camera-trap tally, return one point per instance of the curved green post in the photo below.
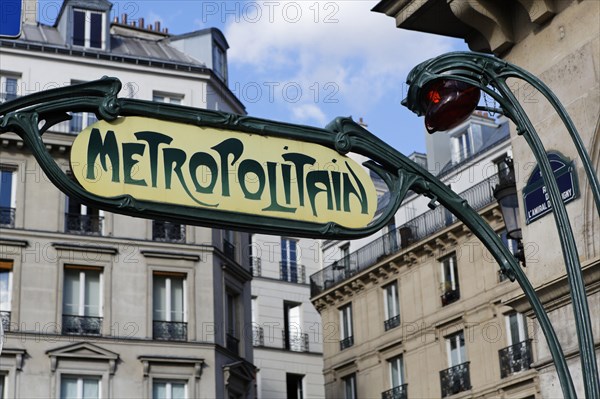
(482, 71)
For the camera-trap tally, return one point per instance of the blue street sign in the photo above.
(10, 18)
(535, 196)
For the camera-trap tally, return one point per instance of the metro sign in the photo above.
(11, 15)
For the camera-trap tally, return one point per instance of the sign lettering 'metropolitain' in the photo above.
(175, 163)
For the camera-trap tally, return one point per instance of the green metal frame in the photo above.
(400, 174)
(490, 75)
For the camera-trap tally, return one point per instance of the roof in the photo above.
(120, 45)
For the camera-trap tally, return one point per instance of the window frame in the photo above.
(522, 331)
(169, 382)
(395, 296)
(168, 276)
(346, 324)
(400, 372)
(168, 98)
(458, 338)
(3, 86)
(349, 382)
(80, 379)
(87, 28)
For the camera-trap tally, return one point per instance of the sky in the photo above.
(307, 61)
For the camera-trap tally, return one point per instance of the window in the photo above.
(349, 386)
(82, 219)
(231, 322)
(9, 88)
(295, 386)
(391, 242)
(82, 300)
(293, 338)
(346, 335)
(455, 345)
(74, 387)
(396, 366)
(81, 120)
(88, 29)
(449, 280)
(167, 98)
(516, 327)
(220, 62)
(391, 306)
(2, 387)
(289, 261)
(8, 185)
(169, 306)
(167, 231)
(456, 377)
(5, 293)
(228, 244)
(462, 146)
(169, 390)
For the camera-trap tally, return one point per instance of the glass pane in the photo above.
(91, 389)
(514, 329)
(71, 293)
(178, 391)
(158, 99)
(91, 118)
(10, 89)
(159, 292)
(68, 388)
(92, 294)
(79, 28)
(5, 188)
(177, 299)
(175, 101)
(4, 290)
(1, 387)
(159, 390)
(96, 30)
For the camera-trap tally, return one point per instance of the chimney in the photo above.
(124, 19)
(362, 123)
(157, 26)
(115, 20)
(141, 23)
(132, 23)
(149, 27)
(166, 30)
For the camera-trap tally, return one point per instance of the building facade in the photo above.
(287, 328)
(559, 42)
(416, 311)
(100, 305)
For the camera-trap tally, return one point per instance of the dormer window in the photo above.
(88, 29)
(219, 62)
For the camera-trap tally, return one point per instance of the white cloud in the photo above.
(308, 113)
(359, 53)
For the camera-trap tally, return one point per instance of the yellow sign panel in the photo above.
(224, 170)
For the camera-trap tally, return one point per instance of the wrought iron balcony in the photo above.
(81, 325)
(169, 330)
(346, 342)
(455, 379)
(450, 296)
(258, 336)
(5, 319)
(7, 217)
(292, 272)
(479, 196)
(228, 249)
(295, 342)
(392, 322)
(515, 358)
(255, 266)
(167, 231)
(83, 224)
(399, 392)
(232, 343)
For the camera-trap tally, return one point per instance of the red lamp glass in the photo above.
(448, 103)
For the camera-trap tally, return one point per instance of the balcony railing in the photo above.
(169, 330)
(449, 296)
(455, 379)
(228, 249)
(515, 358)
(167, 231)
(478, 197)
(81, 325)
(255, 266)
(399, 392)
(295, 342)
(7, 217)
(392, 322)
(258, 336)
(83, 224)
(346, 342)
(233, 344)
(292, 272)
(5, 319)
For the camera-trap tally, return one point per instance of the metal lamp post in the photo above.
(434, 86)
